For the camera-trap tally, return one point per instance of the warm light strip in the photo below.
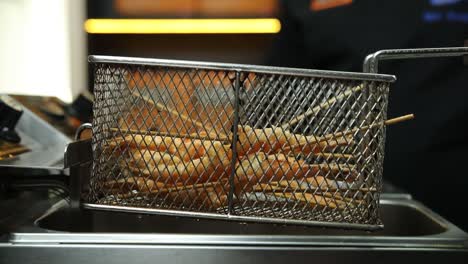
(183, 26)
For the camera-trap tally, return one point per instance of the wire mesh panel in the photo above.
(161, 137)
(305, 152)
(238, 142)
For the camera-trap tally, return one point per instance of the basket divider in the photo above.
(234, 141)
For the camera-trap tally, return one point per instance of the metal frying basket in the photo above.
(239, 142)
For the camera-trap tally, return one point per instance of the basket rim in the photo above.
(241, 68)
(253, 219)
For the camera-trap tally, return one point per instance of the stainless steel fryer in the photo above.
(42, 230)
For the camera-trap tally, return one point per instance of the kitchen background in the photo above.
(44, 47)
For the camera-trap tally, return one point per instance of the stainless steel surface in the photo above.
(45, 232)
(78, 159)
(407, 224)
(46, 143)
(371, 63)
(272, 128)
(116, 254)
(465, 58)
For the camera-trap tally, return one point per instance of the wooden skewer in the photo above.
(325, 199)
(139, 181)
(176, 186)
(114, 142)
(313, 199)
(274, 186)
(339, 197)
(162, 107)
(267, 187)
(332, 195)
(352, 131)
(13, 151)
(335, 196)
(156, 187)
(322, 106)
(315, 140)
(317, 183)
(124, 195)
(167, 134)
(129, 184)
(334, 155)
(192, 186)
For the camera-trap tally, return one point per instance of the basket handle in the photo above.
(371, 63)
(81, 129)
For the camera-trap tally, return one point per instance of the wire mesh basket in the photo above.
(238, 142)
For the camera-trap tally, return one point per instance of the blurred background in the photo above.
(46, 42)
(44, 48)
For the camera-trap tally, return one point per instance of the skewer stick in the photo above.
(13, 151)
(332, 197)
(192, 186)
(322, 106)
(334, 155)
(386, 123)
(313, 199)
(139, 182)
(155, 187)
(339, 197)
(315, 140)
(176, 186)
(168, 134)
(276, 186)
(162, 107)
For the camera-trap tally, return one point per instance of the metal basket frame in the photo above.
(374, 89)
